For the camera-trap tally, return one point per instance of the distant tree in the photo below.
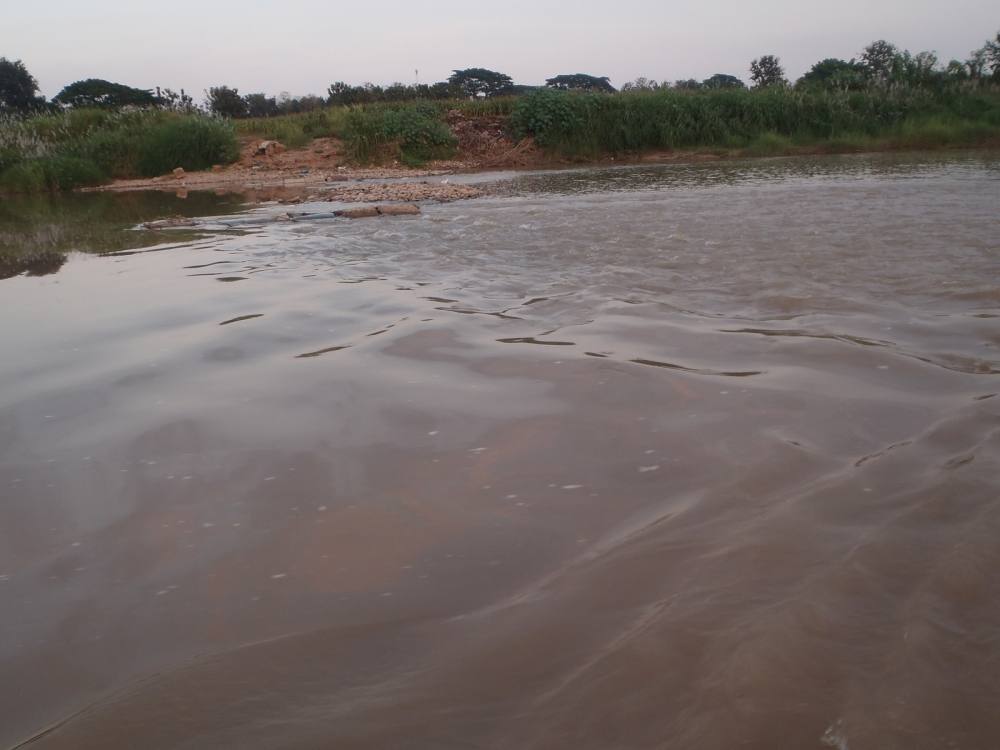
(372, 92)
(834, 74)
(991, 57)
(343, 93)
(581, 82)
(766, 71)
(723, 81)
(96, 92)
(175, 101)
(688, 84)
(445, 90)
(399, 92)
(977, 63)
(641, 84)
(481, 82)
(226, 102)
(292, 105)
(18, 88)
(956, 70)
(260, 105)
(339, 93)
(920, 69)
(880, 60)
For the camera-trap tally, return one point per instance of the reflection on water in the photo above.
(688, 457)
(37, 230)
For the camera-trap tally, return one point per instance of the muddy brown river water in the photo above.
(698, 456)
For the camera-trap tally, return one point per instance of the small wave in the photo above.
(320, 352)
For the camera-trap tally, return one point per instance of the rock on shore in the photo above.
(402, 191)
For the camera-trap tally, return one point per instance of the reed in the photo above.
(296, 130)
(85, 147)
(413, 132)
(582, 125)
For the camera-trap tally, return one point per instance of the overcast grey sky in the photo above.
(301, 46)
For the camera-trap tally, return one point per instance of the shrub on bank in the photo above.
(51, 173)
(86, 147)
(189, 142)
(414, 132)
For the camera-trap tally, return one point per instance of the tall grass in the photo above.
(496, 106)
(413, 132)
(297, 130)
(590, 124)
(84, 147)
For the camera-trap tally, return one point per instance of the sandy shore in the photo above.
(268, 171)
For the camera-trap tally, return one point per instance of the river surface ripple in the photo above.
(655, 457)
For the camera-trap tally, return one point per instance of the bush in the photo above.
(114, 151)
(190, 142)
(550, 116)
(415, 132)
(70, 149)
(51, 173)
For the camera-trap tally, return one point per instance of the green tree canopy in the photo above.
(18, 88)
(260, 105)
(834, 74)
(224, 101)
(643, 84)
(581, 82)
(880, 61)
(481, 82)
(178, 101)
(766, 71)
(723, 81)
(985, 61)
(993, 55)
(96, 92)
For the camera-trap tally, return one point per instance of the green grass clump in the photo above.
(51, 173)
(297, 130)
(191, 142)
(413, 132)
(88, 146)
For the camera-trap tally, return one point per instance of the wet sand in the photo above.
(683, 457)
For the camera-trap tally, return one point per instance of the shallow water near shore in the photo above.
(688, 456)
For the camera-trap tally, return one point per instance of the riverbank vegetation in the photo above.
(78, 147)
(95, 130)
(765, 120)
